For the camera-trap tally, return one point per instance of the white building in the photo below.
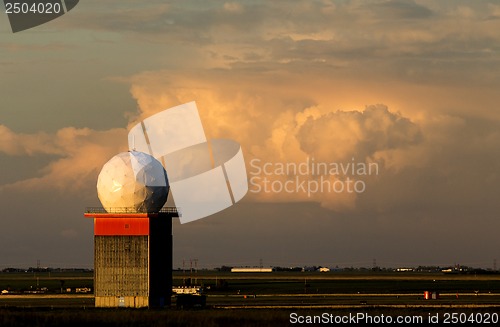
(251, 270)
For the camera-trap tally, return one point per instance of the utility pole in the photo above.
(184, 272)
(195, 271)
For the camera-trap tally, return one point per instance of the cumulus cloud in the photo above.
(282, 118)
(27, 144)
(342, 135)
(80, 154)
(283, 128)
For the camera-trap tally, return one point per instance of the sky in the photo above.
(408, 85)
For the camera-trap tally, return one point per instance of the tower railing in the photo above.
(119, 210)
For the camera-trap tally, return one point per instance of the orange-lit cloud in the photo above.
(275, 126)
(80, 156)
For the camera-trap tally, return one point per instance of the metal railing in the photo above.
(172, 210)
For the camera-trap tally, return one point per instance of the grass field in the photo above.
(353, 284)
(21, 282)
(253, 299)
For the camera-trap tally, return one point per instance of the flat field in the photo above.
(264, 299)
(22, 282)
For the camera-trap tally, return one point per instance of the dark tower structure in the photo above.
(132, 257)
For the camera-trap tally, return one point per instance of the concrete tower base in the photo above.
(132, 258)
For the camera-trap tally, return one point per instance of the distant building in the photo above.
(251, 270)
(324, 269)
(404, 269)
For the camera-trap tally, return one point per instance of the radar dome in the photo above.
(133, 180)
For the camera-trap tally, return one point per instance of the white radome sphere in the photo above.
(133, 181)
